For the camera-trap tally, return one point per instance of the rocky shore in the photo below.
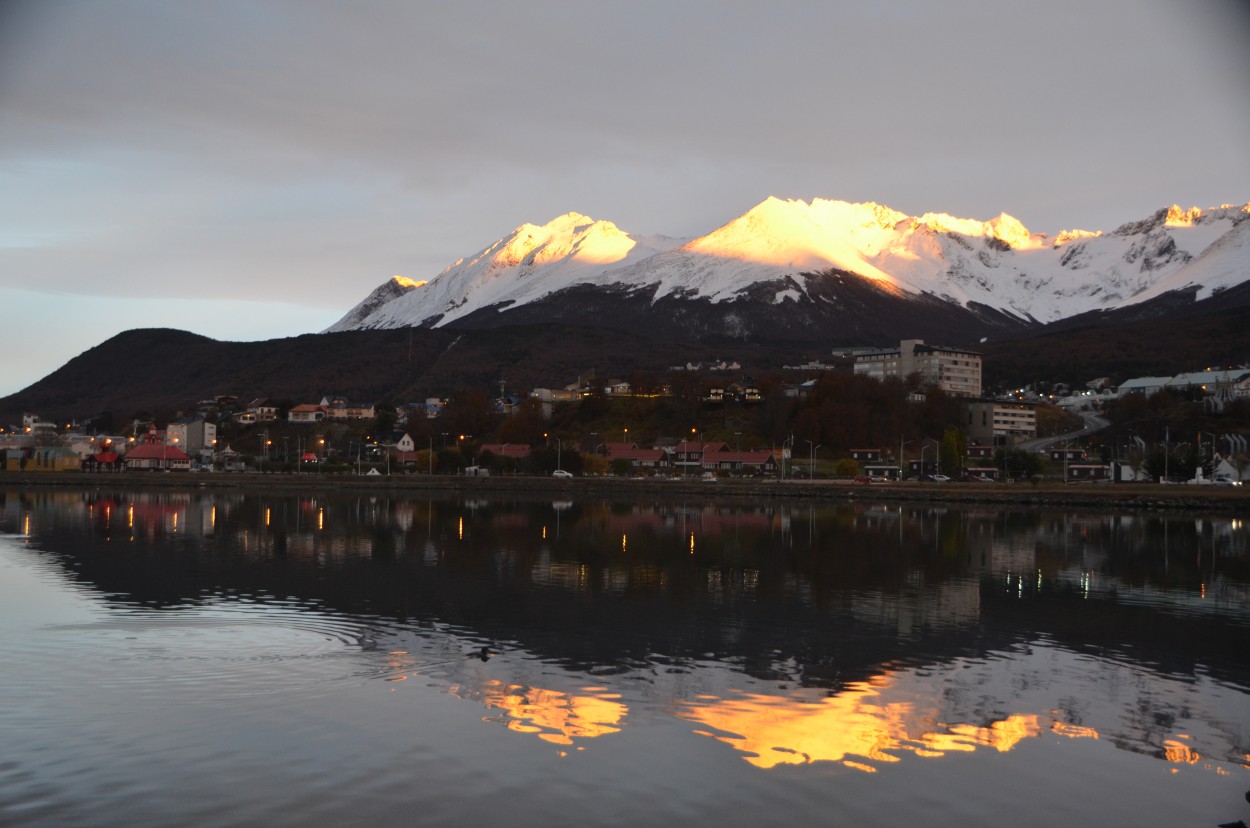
(1046, 494)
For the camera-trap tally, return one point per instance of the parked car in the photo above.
(977, 478)
(939, 478)
(561, 474)
(1225, 481)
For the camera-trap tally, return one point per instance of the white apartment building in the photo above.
(191, 435)
(954, 370)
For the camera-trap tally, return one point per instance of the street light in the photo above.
(924, 448)
(811, 468)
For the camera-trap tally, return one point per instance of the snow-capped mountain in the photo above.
(829, 268)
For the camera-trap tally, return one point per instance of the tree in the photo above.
(846, 467)
(469, 411)
(1172, 462)
(593, 464)
(953, 449)
(1018, 463)
(384, 419)
(526, 425)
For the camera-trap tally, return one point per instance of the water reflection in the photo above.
(786, 635)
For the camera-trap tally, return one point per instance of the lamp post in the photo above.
(811, 467)
(901, 443)
(430, 437)
(1167, 450)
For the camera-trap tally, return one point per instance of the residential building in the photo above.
(1001, 422)
(402, 441)
(191, 434)
(340, 408)
(639, 458)
(306, 413)
(263, 410)
(688, 454)
(977, 451)
(1088, 471)
(954, 370)
(718, 458)
(155, 457)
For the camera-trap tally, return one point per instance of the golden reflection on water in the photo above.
(552, 715)
(1073, 731)
(1180, 754)
(856, 727)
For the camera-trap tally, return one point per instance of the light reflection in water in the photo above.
(868, 639)
(857, 726)
(551, 715)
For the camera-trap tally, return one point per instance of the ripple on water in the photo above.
(179, 658)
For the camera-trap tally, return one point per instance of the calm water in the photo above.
(200, 658)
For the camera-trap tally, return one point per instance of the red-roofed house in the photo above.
(755, 460)
(306, 413)
(639, 458)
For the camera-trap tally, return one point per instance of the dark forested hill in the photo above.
(161, 371)
(1168, 336)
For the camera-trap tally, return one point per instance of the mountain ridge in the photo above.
(1031, 278)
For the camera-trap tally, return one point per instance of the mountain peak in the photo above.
(1005, 228)
(784, 251)
(571, 236)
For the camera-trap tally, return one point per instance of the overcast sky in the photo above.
(250, 170)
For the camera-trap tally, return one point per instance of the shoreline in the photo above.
(1046, 494)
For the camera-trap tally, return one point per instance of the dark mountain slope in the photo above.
(1168, 336)
(836, 308)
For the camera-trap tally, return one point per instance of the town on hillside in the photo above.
(915, 412)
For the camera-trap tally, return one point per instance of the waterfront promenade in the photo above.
(1135, 496)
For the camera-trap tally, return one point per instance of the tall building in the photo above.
(1001, 422)
(191, 434)
(954, 370)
